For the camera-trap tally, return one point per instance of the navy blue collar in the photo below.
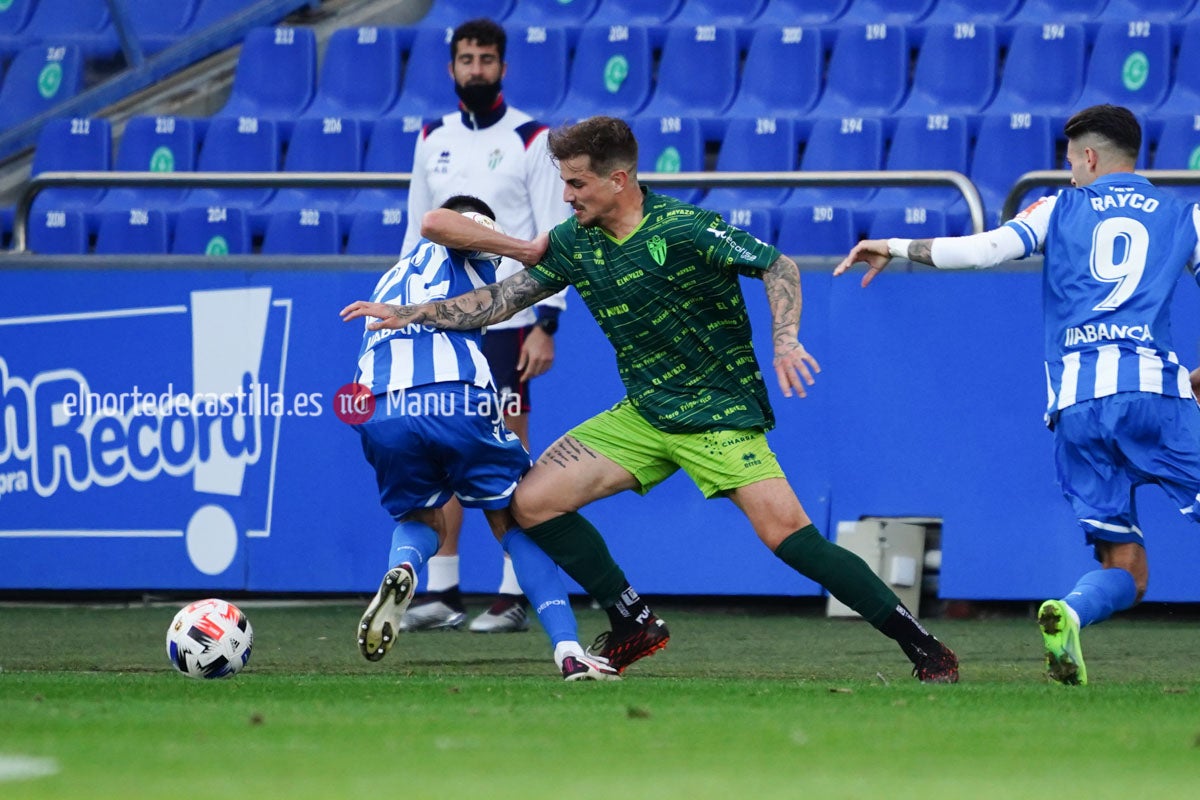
(486, 119)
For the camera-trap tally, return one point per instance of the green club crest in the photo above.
(5, 5)
(1194, 159)
(162, 160)
(217, 246)
(668, 160)
(658, 249)
(49, 79)
(1135, 71)
(615, 73)
(494, 158)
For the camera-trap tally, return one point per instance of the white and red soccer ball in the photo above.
(209, 639)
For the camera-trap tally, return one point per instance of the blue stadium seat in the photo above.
(38, 79)
(722, 13)
(1163, 11)
(937, 141)
(79, 144)
(849, 143)
(1179, 143)
(611, 73)
(536, 81)
(786, 13)
(241, 144)
(1185, 91)
(762, 92)
(1130, 66)
(360, 76)
(816, 231)
(1008, 146)
(956, 70)
(868, 72)
(389, 149)
(14, 17)
(305, 231)
(452, 13)
(550, 13)
(971, 11)
(376, 233)
(1039, 11)
(211, 12)
(697, 75)
(137, 231)
(908, 223)
(82, 23)
(330, 144)
(892, 12)
(760, 144)
(58, 232)
(158, 25)
(634, 12)
(275, 76)
(154, 144)
(758, 222)
(427, 90)
(212, 231)
(670, 144)
(1037, 51)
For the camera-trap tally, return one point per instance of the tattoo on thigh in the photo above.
(566, 451)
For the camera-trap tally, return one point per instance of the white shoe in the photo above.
(432, 613)
(507, 615)
(377, 628)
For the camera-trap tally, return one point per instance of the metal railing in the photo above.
(397, 180)
(1062, 177)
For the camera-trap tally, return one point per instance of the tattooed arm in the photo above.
(793, 365)
(486, 305)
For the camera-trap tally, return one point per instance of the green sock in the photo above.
(575, 545)
(845, 575)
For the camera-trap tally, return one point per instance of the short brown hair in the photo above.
(483, 32)
(606, 141)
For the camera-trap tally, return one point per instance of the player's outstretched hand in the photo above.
(388, 316)
(874, 252)
(794, 368)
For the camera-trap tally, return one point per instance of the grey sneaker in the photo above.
(377, 628)
(432, 614)
(507, 615)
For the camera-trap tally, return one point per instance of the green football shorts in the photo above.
(717, 461)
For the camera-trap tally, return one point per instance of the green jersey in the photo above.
(668, 299)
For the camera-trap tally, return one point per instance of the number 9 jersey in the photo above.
(1113, 255)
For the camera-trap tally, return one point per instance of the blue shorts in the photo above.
(434, 441)
(1106, 448)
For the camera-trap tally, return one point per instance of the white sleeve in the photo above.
(1196, 224)
(545, 188)
(1022, 236)
(418, 197)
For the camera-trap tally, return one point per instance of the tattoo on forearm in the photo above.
(567, 451)
(489, 304)
(921, 251)
(782, 281)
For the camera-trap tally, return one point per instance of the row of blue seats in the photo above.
(702, 72)
(87, 24)
(448, 13)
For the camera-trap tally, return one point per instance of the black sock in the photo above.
(451, 597)
(630, 610)
(913, 639)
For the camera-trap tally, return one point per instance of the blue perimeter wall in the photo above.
(929, 403)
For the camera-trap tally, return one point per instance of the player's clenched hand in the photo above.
(794, 367)
(388, 316)
(537, 249)
(537, 354)
(874, 252)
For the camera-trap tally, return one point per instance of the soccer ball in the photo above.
(209, 639)
(486, 222)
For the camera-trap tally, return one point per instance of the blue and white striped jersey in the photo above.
(1114, 251)
(418, 355)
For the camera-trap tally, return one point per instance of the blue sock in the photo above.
(1101, 593)
(543, 585)
(414, 542)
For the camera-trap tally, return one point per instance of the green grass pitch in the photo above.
(748, 704)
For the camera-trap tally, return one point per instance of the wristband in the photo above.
(898, 248)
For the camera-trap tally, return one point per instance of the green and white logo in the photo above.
(494, 158)
(1135, 71)
(49, 79)
(658, 249)
(1194, 159)
(615, 73)
(668, 160)
(217, 246)
(565, 2)
(162, 160)
(5, 5)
